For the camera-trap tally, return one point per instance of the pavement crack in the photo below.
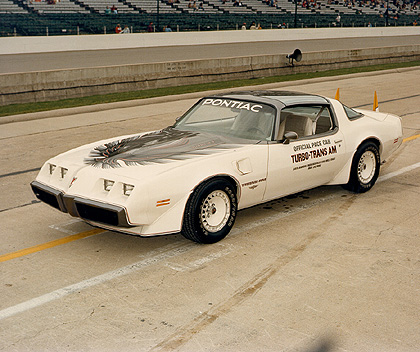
(381, 233)
(392, 228)
(21, 206)
(20, 172)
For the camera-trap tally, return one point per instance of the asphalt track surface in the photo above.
(323, 270)
(14, 63)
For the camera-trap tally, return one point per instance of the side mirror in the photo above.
(288, 136)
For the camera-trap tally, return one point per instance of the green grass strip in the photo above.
(15, 109)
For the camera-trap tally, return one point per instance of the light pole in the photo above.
(157, 14)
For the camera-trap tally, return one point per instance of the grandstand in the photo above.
(55, 17)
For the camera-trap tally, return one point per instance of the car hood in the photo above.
(158, 147)
(141, 156)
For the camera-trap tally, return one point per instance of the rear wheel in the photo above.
(365, 168)
(210, 212)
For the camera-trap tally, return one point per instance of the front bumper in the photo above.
(80, 207)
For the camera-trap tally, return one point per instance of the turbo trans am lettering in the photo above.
(313, 154)
(233, 104)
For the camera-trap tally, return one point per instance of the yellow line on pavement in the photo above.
(411, 138)
(41, 247)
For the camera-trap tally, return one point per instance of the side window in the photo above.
(305, 120)
(324, 122)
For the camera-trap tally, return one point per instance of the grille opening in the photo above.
(92, 213)
(46, 197)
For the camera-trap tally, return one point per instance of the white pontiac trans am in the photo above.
(228, 152)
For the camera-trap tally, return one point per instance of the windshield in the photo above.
(241, 119)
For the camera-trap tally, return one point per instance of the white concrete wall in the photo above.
(61, 84)
(16, 45)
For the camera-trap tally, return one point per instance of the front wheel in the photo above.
(210, 212)
(365, 168)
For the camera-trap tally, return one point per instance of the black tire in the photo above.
(210, 211)
(364, 169)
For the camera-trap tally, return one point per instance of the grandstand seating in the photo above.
(55, 6)
(7, 6)
(150, 6)
(30, 17)
(343, 7)
(193, 6)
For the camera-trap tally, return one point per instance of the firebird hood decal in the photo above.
(157, 147)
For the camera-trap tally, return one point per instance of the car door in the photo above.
(312, 153)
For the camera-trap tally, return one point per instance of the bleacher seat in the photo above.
(31, 17)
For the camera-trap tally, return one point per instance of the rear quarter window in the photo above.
(352, 114)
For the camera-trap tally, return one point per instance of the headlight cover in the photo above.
(63, 172)
(127, 189)
(108, 185)
(52, 168)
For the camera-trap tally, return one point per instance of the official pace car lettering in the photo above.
(311, 151)
(311, 145)
(157, 147)
(233, 104)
